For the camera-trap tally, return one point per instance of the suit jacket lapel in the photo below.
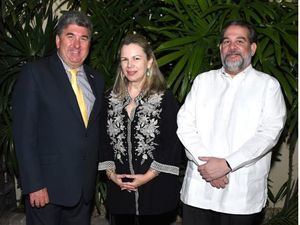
(64, 84)
(95, 110)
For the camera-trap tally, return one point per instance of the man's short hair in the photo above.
(74, 17)
(252, 33)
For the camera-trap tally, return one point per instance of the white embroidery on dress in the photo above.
(115, 126)
(147, 126)
(146, 129)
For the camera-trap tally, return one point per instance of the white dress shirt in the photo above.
(239, 119)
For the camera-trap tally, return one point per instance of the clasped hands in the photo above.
(131, 182)
(214, 171)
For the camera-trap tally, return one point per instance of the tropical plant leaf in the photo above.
(170, 57)
(177, 69)
(177, 42)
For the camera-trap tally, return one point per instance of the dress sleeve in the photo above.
(168, 152)
(106, 156)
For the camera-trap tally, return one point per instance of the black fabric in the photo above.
(197, 216)
(53, 214)
(161, 219)
(162, 193)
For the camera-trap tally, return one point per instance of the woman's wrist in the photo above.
(155, 172)
(110, 172)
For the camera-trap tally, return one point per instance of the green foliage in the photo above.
(112, 20)
(100, 194)
(280, 194)
(289, 214)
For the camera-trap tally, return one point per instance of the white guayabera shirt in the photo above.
(239, 119)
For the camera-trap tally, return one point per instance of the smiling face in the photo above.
(134, 63)
(236, 49)
(73, 45)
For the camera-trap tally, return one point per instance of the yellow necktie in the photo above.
(79, 95)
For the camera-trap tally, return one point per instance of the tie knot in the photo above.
(73, 72)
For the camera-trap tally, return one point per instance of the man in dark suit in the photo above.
(56, 107)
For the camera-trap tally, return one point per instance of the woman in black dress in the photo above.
(141, 153)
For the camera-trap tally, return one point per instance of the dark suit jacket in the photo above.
(54, 149)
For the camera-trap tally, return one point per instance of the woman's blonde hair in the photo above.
(155, 81)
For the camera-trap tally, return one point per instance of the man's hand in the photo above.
(214, 168)
(220, 182)
(39, 198)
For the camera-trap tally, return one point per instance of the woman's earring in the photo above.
(148, 72)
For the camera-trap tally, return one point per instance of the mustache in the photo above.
(233, 53)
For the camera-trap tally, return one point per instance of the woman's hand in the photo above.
(116, 178)
(138, 179)
(119, 179)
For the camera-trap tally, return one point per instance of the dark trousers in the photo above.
(53, 214)
(196, 216)
(161, 219)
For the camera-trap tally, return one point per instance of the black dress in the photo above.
(132, 145)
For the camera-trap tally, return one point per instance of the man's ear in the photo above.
(57, 41)
(253, 48)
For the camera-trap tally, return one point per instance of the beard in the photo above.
(235, 66)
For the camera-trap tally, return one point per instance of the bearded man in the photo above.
(229, 123)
